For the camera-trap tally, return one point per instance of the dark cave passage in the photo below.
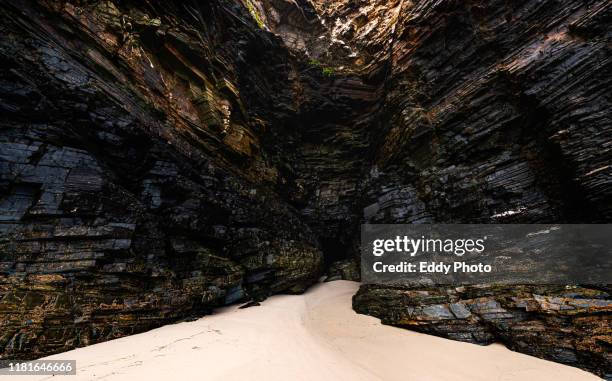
(334, 250)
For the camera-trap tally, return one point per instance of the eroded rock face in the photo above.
(567, 325)
(159, 160)
(485, 116)
(136, 189)
(491, 117)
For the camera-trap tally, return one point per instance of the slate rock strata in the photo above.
(135, 189)
(493, 117)
(160, 159)
(569, 325)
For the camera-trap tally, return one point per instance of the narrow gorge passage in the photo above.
(161, 160)
(330, 162)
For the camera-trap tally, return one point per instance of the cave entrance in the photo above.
(334, 250)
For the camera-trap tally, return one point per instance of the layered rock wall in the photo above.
(158, 160)
(136, 188)
(497, 112)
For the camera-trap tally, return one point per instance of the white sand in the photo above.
(315, 336)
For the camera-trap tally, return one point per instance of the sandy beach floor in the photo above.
(315, 336)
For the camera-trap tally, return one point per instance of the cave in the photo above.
(159, 160)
